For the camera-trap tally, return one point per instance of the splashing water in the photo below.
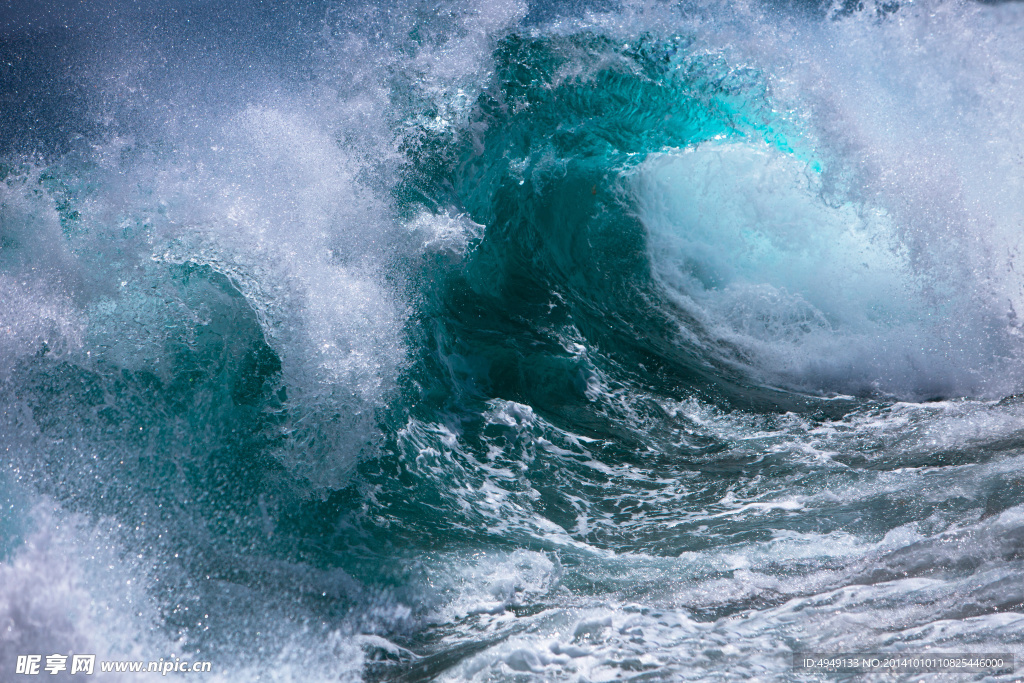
(510, 341)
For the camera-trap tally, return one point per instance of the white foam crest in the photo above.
(892, 270)
(277, 201)
(822, 296)
(67, 590)
(919, 117)
(742, 239)
(268, 196)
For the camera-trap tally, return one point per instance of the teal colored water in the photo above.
(508, 341)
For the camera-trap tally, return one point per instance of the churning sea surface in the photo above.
(502, 340)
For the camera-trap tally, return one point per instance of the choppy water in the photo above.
(506, 341)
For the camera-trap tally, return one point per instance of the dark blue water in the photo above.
(501, 341)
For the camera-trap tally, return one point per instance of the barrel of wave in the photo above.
(804, 289)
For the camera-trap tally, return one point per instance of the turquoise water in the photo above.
(509, 341)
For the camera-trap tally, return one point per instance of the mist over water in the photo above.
(510, 341)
